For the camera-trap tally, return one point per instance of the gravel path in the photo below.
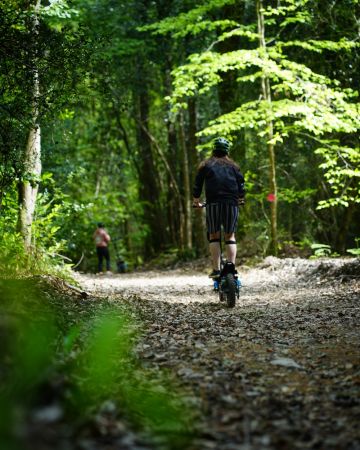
(281, 370)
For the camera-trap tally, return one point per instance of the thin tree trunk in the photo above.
(266, 93)
(186, 183)
(344, 228)
(1, 198)
(32, 154)
(98, 182)
(175, 210)
(163, 158)
(199, 225)
(149, 188)
(127, 145)
(228, 89)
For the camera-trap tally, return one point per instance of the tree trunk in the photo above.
(199, 226)
(186, 185)
(32, 156)
(266, 93)
(149, 186)
(228, 89)
(175, 212)
(344, 229)
(174, 204)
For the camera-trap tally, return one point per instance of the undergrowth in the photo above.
(77, 358)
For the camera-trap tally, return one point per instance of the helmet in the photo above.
(221, 145)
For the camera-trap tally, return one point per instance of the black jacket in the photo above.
(223, 182)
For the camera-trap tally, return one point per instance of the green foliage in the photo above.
(58, 9)
(105, 368)
(192, 22)
(321, 250)
(355, 251)
(52, 211)
(341, 168)
(294, 196)
(56, 51)
(76, 217)
(13, 258)
(287, 9)
(26, 357)
(319, 46)
(106, 68)
(315, 107)
(306, 101)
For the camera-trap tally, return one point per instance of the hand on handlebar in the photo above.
(241, 201)
(197, 203)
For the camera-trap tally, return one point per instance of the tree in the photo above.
(32, 156)
(33, 90)
(266, 95)
(303, 100)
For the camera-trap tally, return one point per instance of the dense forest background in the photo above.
(108, 106)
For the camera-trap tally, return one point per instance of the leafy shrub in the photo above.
(321, 250)
(355, 251)
(51, 212)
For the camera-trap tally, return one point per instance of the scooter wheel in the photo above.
(230, 290)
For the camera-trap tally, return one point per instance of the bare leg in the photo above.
(215, 250)
(230, 248)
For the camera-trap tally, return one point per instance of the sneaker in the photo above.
(214, 274)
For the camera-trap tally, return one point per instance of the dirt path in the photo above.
(281, 370)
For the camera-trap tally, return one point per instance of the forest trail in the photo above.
(280, 370)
